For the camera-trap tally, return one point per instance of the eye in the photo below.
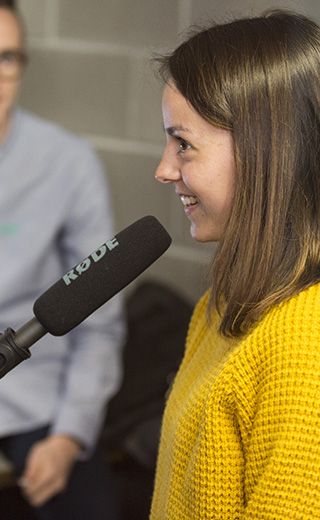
(183, 145)
(8, 57)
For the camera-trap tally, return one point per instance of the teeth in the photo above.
(188, 200)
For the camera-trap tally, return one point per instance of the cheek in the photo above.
(190, 175)
(220, 189)
(11, 90)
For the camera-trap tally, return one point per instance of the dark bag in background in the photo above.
(157, 321)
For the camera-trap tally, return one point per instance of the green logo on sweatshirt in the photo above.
(9, 229)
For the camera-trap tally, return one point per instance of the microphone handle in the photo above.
(14, 346)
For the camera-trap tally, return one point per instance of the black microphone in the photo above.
(86, 287)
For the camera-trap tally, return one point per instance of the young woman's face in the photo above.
(199, 160)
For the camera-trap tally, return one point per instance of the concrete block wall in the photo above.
(90, 71)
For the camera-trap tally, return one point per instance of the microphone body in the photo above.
(86, 287)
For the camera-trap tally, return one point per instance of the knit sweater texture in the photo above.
(241, 431)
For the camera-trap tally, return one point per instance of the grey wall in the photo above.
(90, 71)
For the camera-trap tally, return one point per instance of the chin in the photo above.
(204, 235)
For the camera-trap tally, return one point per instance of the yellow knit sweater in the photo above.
(241, 431)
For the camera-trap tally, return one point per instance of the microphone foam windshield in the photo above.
(101, 275)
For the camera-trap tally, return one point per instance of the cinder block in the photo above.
(203, 10)
(134, 189)
(140, 23)
(84, 92)
(187, 276)
(33, 12)
(145, 122)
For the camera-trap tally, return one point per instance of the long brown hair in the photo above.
(260, 78)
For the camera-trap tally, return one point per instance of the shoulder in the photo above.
(57, 153)
(293, 321)
(51, 136)
(285, 341)
(278, 362)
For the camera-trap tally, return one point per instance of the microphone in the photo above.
(86, 287)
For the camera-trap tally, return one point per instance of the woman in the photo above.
(241, 109)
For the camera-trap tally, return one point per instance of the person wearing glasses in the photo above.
(54, 210)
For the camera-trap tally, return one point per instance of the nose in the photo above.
(168, 169)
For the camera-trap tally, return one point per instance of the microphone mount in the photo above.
(14, 346)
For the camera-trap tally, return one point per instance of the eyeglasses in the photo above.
(12, 62)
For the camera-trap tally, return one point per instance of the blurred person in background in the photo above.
(54, 210)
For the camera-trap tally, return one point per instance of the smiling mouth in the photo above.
(188, 200)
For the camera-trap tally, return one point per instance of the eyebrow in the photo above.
(172, 130)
